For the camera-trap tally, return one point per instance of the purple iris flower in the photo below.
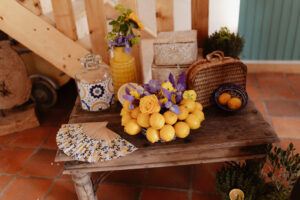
(130, 99)
(153, 87)
(169, 105)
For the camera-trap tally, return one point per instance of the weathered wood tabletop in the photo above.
(223, 136)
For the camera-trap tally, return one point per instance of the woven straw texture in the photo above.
(207, 75)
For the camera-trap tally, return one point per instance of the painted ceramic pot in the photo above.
(94, 83)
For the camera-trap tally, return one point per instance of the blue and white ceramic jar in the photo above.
(94, 84)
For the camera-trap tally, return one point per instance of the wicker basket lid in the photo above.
(206, 75)
(176, 37)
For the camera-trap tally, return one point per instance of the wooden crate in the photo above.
(172, 48)
(161, 73)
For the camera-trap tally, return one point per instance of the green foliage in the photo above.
(230, 43)
(122, 27)
(242, 176)
(282, 167)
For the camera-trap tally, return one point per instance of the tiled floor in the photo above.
(27, 170)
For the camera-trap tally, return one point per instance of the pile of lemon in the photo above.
(163, 126)
(232, 103)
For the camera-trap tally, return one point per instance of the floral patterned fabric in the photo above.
(74, 143)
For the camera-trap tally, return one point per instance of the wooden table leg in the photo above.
(84, 186)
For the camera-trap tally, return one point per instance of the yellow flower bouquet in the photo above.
(164, 110)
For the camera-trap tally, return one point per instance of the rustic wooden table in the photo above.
(223, 136)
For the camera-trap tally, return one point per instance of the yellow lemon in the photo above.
(157, 121)
(170, 117)
(184, 113)
(224, 98)
(182, 129)
(199, 114)
(152, 135)
(124, 112)
(193, 121)
(143, 120)
(135, 112)
(125, 119)
(234, 103)
(198, 106)
(167, 133)
(190, 105)
(126, 105)
(132, 127)
(236, 194)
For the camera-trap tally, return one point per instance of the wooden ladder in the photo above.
(56, 39)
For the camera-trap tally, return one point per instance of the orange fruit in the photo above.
(152, 135)
(157, 121)
(143, 120)
(170, 117)
(184, 113)
(234, 103)
(224, 98)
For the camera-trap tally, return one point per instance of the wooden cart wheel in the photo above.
(43, 93)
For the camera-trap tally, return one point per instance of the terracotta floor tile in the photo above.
(12, 159)
(271, 79)
(296, 89)
(4, 139)
(253, 92)
(30, 137)
(251, 80)
(287, 127)
(42, 164)
(293, 78)
(284, 143)
(62, 190)
(176, 177)
(51, 140)
(283, 107)
(27, 189)
(127, 176)
(204, 176)
(115, 192)
(151, 194)
(260, 106)
(4, 180)
(200, 196)
(276, 92)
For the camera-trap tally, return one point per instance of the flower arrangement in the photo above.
(122, 34)
(165, 109)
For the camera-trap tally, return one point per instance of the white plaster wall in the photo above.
(182, 15)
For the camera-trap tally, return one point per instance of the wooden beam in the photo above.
(164, 15)
(64, 18)
(136, 50)
(95, 13)
(32, 5)
(41, 37)
(200, 11)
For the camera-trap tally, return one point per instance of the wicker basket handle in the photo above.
(218, 54)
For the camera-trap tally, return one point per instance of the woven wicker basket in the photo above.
(206, 75)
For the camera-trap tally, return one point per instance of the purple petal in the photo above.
(168, 104)
(178, 97)
(127, 49)
(132, 86)
(175, 109)
(128, 97)
(167, 94)
(180, 84)
(131, 107)
(127, 90)
(171, 79)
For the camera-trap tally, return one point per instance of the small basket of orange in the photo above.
(231, 97)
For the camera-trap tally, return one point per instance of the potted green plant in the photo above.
(271, 178)
(230, 43)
